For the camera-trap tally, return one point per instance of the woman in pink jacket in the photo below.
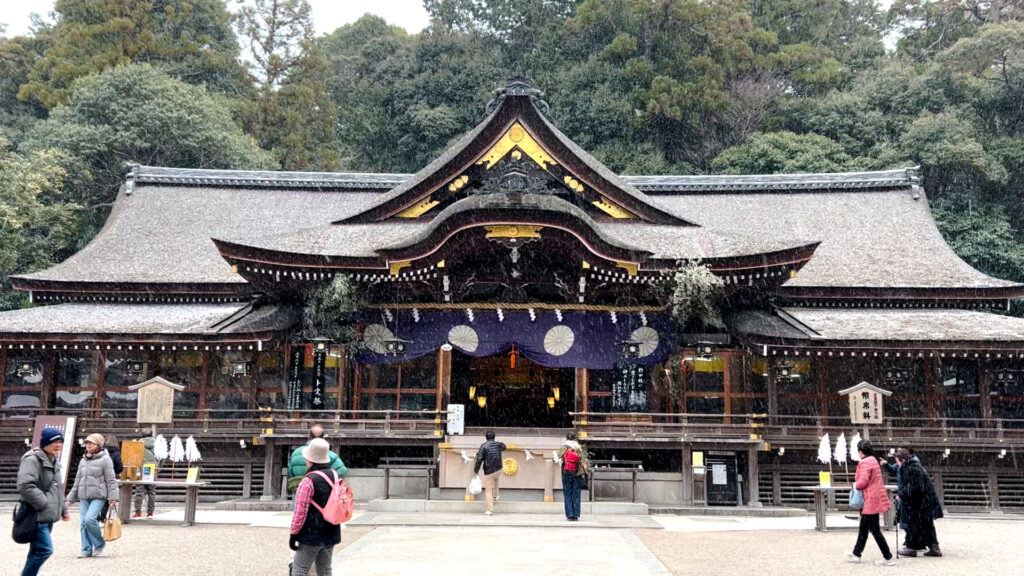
(869, 481)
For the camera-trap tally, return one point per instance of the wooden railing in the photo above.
(796, 431)
(16, 424)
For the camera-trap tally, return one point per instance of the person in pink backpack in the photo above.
(313, 537)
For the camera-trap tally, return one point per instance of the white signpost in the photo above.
(456, 418)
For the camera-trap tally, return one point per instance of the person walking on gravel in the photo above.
(39, 486)
(95, 485)
(488, 457)
(868, 480)
(312, 537)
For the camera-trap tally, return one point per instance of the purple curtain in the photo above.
(596, 339)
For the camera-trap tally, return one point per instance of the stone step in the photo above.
(745, 511)
(503, 506)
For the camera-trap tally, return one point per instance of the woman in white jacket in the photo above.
(95, 485)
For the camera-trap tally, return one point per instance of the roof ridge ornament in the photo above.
(519, 85)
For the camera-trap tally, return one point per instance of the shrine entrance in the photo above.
(500, 395)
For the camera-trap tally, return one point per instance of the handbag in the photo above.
(25, 523)
(475, 486)
(112, 525)
(856, 498)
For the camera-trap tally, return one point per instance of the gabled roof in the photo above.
(515, 112)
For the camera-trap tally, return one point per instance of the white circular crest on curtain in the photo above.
(558, 340)
(375, 336)
(648, 339)
(464, 337)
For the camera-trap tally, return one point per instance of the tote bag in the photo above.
(112, 525)
(856, 498)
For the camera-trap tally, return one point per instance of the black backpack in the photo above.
(25, 523)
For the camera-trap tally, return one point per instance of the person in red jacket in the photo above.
(869, 481)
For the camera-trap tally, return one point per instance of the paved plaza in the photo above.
(373, 544)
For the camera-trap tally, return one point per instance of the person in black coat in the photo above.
(113, 448)
(919, 506)
(312, 537)
(488, 457)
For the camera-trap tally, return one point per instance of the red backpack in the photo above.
(340, 503)
(570, 461)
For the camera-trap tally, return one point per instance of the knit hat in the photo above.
(96, 439)
(317, 451)
(49, 436)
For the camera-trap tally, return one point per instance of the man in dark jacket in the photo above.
(312, 537)
(489, 457)
(919, 505)
(39, 485)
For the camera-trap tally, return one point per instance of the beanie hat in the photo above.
(317, 451)
(49, 436)
(96, 439)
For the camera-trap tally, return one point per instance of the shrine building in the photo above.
(517, 284)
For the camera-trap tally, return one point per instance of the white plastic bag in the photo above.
(475, 486)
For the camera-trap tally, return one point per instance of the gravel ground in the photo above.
(969, 547)
(166, 550)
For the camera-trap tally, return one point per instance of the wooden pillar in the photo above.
(99, 358)
(269, 469)
(773, 393)
(687, 492)
(357, 388)
(993, 490)
(929, 386)
(776, 486)
(444, 377)
(984, 368)
(580, 391)
(753, 481)
(204, 376)
(49, 368)
(343, 380)
(822, 374)
(727, 386)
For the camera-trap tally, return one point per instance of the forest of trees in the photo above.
(647, 86)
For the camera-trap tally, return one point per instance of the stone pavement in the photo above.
(384, 544)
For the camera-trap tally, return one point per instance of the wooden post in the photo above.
(993, 491)
(753, 482)
(49, 368)
(773, 393)
(776, 486)
(687, 471)
(580, 391)
(203, 378)
(247, 479)
(823, 390)
(929, 384)
(985, 392)
(444, 378)
(727, 386)
(269, 469)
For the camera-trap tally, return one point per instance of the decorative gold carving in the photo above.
(440, 264)
(395, 267)
(586, 265)
(508, 231)
(631, 267)
(517, 136)
(418, 209)
(458, 183)
(573, 184)
(613, 210)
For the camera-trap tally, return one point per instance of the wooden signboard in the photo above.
(866, 403)
(156, 400)
(132, 452)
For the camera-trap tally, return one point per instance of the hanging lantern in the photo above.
(481, 401)
(395, 346)
(241, 368)
(134, 367)
(27, 370)
(705, 350)
(472, 392)
(631, 348)
(556, 393)
(320, 344)
(896, 374)
(551, 401)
